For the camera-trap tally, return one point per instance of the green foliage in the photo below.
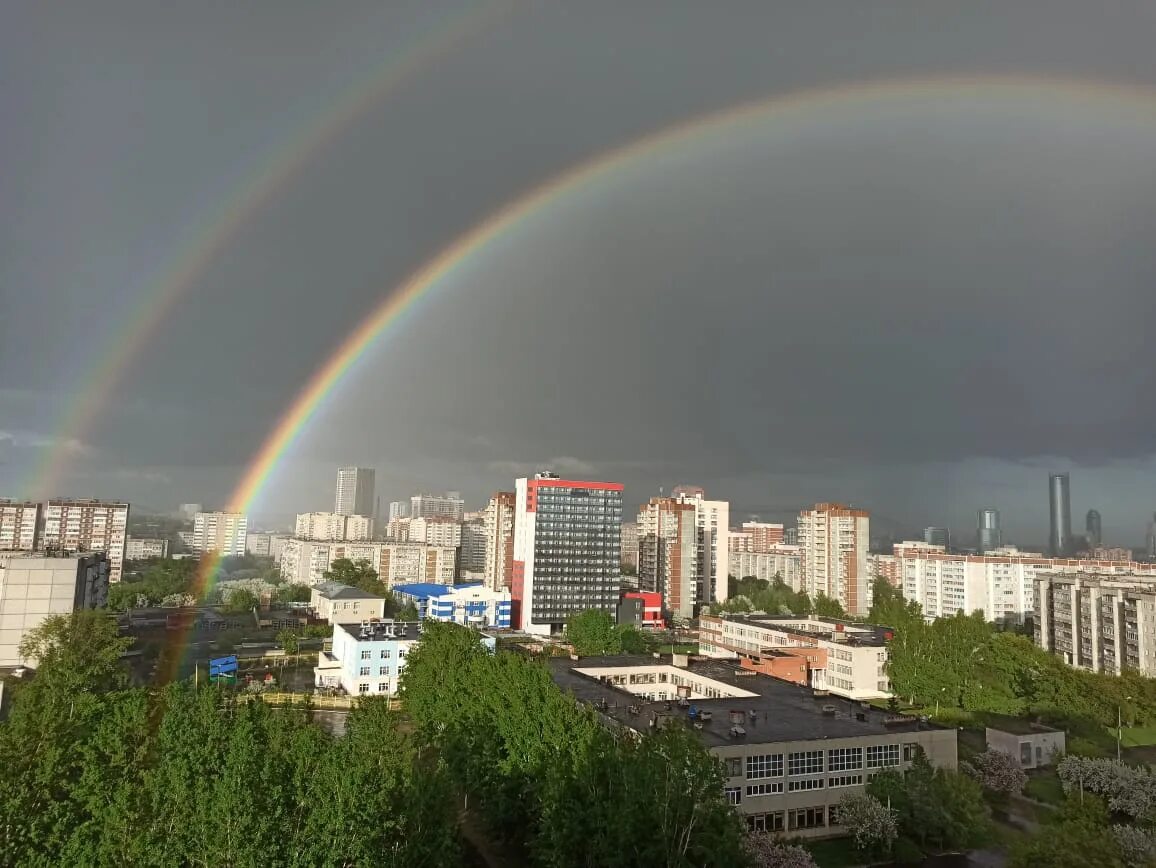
(551, 780)
(292, 593)
(240, 601)
(408, 612)
(829, 608)
(289, 640)
(594, 632)
(750, 594)
(159, 580)
(631, 640)
(1078, 835)
(95, 773)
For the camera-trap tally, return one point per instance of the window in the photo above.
(806, 762)
(383, 670)
(845, 781)
(385, 655)
(764, 789)
(734, 795)
(910, 751)
(365, 655)
(764, 766)
(400, 652)
(843, 758)
(363, 688)
(364, 670)
(383, 687)
(734, 766)
(881, 755)
(807, 818)
(805, 784)
(772, 822)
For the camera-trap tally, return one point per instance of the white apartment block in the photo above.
(141, 548)
(449, 505)
(668, 554)
(436, 531)
(833, 540)
(398, 509)
(756, 536)
(499, 522)
(712, 518)
(266, 545)
(87, 526)
(852, 660)
(472, 554)
(34, 588)
(306, 561)
(222, 532)
(19, 526)
(1105, 623)
(333, 526)
(779, 561)
(1001, 584)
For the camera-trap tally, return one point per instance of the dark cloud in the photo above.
(920, 305)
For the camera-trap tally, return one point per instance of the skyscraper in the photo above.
(1060, 515)
(567, 550)
(355, 491)
(988, 533)
(937, 536)
(833, 539)
(450, 505)
(1094, 528)
(499, 520)
(668, 559)
(712, 519)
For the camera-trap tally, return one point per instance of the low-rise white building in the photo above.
(472, 605)
(852, 661)
(140, 548)
(341, 604)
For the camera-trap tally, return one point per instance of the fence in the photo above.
(328, 703)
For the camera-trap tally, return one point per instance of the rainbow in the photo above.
(210, 235)
(452, 258)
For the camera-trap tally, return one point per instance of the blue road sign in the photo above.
(223, 665)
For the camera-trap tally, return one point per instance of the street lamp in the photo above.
(1120, 726)
(942, 690)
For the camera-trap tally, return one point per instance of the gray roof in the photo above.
(338, 591)
(784, 711)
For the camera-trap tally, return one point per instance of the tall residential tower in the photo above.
(355, 491)
(1060, 515)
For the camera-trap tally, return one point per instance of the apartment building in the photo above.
(1001, 584)
(472, 552)
(142, 548)
(567, 550)
(668, 554)
(849, 659)
(333, 526)
(499, 523)
(833, 539)
(306, 561)
(780, 561)
(87, 526)
(355, 495)
(1105, 623)
(221, 532)
(436, 531)
(33, 588)
(266, 545)
(712, 519)
(756, 536)
(789, 754)
(19, 526)
(448, 505)
(630, 544)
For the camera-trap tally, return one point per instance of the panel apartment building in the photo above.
(82, 526)
(833, 540)
(567, 550)
(19, 525)
(221, 532)
(1105, 623)
(306, 561)
(846, 658)
(668, 554)
(499, 521)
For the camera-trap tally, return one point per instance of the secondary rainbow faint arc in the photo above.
(214, 233)
(323, 381)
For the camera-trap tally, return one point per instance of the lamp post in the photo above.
(1120, 726)
(942, 690)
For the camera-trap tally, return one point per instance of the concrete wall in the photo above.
(1032, 750)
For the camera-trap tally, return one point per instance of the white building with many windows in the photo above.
(222, 532)
(306, 561)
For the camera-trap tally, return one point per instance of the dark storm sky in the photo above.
(918, 305)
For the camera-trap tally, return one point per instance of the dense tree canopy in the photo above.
(358, 574)
(594, 632)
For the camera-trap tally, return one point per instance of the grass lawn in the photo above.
(1135, 736)
(1044, 786)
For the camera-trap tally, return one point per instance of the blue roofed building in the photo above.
(472, 605)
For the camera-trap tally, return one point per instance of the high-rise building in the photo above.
(833, 543)
(630, 545)
(756, 536)
(398, 509)
(988, 533)
(567, 550)
(712, 519)
(782, 562)
(333, 526)
(189, 510)
(1152, 538)
(449, 505)
(472, 553)
(19, 526)
(306, 561)
(355, 491)
(668, 558)
(221, 532)
(265, 545)
(500, 540)
(33, 588)
(87, 526)
(1094, 528)
(436, 531)
(937, 536)
(1060, 515)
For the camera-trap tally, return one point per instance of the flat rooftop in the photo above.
(382, 631)
(338, 591)
(832, 629)
(1015, 725)
(783, 711)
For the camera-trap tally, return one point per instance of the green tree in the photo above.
(408, 612)
(1078, 835)
(289, 640)
(631, 640)
(829, 608)
(240, 601)
(293, 593)
(592, 633)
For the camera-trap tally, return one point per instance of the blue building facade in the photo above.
(472, 605)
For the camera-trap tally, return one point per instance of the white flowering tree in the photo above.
(766, 851)
(870, 822)
(1137, 846)
(1128, 790)
(997, 771)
